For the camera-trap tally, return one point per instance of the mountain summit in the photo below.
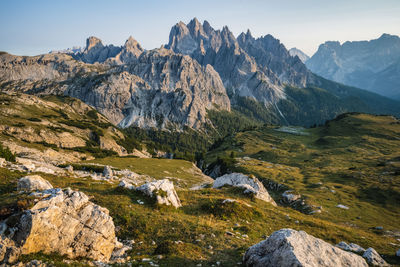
(297, 52)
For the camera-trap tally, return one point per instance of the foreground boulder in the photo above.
(33, 183)
(373, 258)
(351, 247)
(288, 247)
(163, 190)
(289, 196)
(62, 222)
(250, 185)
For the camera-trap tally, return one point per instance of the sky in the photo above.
(30, 27)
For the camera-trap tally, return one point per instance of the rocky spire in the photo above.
(248, 34)
(130, 51)
(207, 27)
(228, 37)
(132, 45)
(93, 41)
(245, 37)
(195, 27)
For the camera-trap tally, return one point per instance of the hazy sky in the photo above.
(34, 27)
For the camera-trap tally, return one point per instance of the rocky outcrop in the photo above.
(63, 222)
(238, 70)
(272, 56)
(250, 185)
(288, 247)
(373, 258)
(174, 89)
(33, 183)
(95, 51)
(126, 184)
(31, 70)
(161, 88)
(289, 196)
(111, 144)
(129, 52)
(108, 172)
(163, 191)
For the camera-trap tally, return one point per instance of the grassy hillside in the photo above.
(63, 125)
(197, 232)
(353, 160)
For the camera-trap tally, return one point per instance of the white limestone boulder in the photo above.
(287, 247)
(65, 222)
(108, 172)
(250, 185)
(26, 164)
(163, 190)
(373, 258)
(289, 196)
(32, 183)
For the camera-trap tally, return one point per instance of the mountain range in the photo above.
(199, 70)
(193, 154)
(372, 65)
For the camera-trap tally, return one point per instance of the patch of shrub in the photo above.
(92, 114)
(35, 119)
(166, 247)
(84, 167)
(19, 124)
(55, 147)
(59, 129)
(6, 153)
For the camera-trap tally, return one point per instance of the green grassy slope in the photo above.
(353, 160)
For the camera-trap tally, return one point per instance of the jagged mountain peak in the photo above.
(245, 37)
(194, 23)
(92, 42)
(132, 44)
(131, 41)
(207, 27)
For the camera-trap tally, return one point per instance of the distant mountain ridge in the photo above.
(200, 70)
(373, 65)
